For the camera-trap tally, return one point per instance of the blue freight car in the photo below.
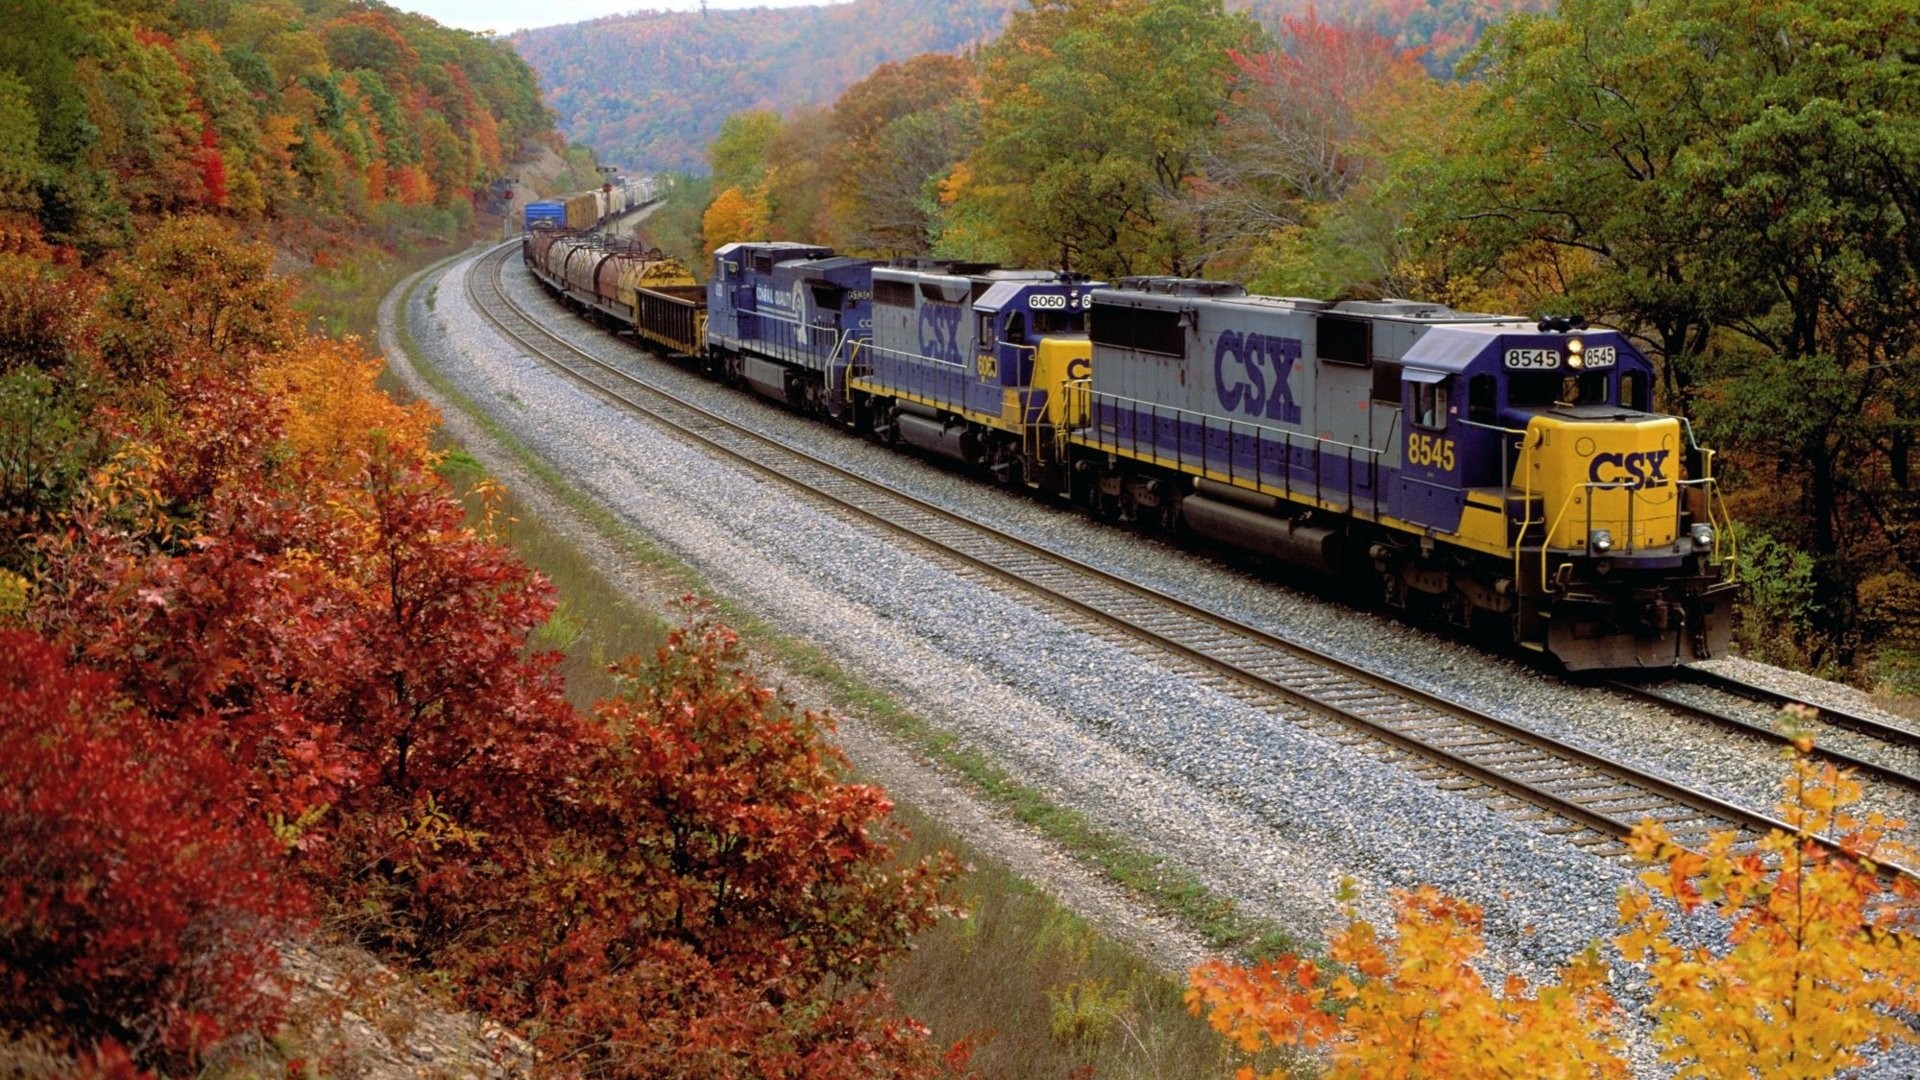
(549, 212)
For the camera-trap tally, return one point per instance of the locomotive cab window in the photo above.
(1532, 388)
(1430, 402)
(1482, 406)
(1016, 329)
(985, 334)
(1057, 321)
(1636, 391)
(1586, 388)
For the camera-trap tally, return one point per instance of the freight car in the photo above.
(588, 210)
(1482, 469)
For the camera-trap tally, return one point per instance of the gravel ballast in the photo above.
(1262, 809)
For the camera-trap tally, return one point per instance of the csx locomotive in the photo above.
(1487, 469)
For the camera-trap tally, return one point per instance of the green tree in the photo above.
(1737, 184)
(1096, 118)
(740, 154)
(20, 165)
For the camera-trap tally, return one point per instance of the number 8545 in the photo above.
(1430, 450)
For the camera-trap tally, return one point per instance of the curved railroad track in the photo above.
(1568, 791)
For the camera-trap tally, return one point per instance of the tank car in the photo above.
(618, 280)
(1484, 467)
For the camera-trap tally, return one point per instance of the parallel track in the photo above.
(1596, 802)
(1659, 691)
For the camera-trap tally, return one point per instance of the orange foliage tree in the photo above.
(1418, 1007)
(733, 216)
(1814, 967)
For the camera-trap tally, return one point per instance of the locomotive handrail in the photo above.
(1286, 438)
(922, 357)
(1525, 474)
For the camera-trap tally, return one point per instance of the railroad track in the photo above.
(1592, 801)
(1873, 748)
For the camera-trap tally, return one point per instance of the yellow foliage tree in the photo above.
(1416, 1008)
(733, 216)
(1817, 967)
(1819, 964)
(336, 414)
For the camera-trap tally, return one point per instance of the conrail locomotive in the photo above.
(1488, 470)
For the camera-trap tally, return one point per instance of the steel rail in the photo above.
(1586, 790)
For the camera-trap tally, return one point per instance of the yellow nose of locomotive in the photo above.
(1608, 486)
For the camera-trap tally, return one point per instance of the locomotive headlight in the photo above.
(1600, 541)
(1574, 348)
(1702, 536)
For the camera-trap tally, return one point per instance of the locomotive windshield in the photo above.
(1059, 322)
(1544, 389)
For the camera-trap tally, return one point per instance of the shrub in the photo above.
(133, 910)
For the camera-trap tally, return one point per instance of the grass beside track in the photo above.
(1043, 992)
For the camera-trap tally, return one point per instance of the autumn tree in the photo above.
(1096, 117)
(1792, 957)
(898, 132)
(1416, 1006)
(143, 906)
(1818, 966)
(1718, 178)
(725, 900)
(731, 217)
(1303, 193)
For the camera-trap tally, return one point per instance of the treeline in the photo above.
(649, 90)
(112, 111)
(1733, 184)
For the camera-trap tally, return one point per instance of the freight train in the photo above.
(587, 210)
(1490, 471)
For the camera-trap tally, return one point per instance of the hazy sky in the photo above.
(506, 16)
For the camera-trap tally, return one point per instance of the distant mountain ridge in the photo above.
(649, 90)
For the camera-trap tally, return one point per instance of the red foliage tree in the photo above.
(137, 908)
(724, 897)
(364, 654)
(213, 169)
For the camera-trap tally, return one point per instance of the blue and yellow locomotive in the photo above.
(1486, 467)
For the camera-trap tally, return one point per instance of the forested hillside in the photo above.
(266, 687)
(327, 111)
(649, 90)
